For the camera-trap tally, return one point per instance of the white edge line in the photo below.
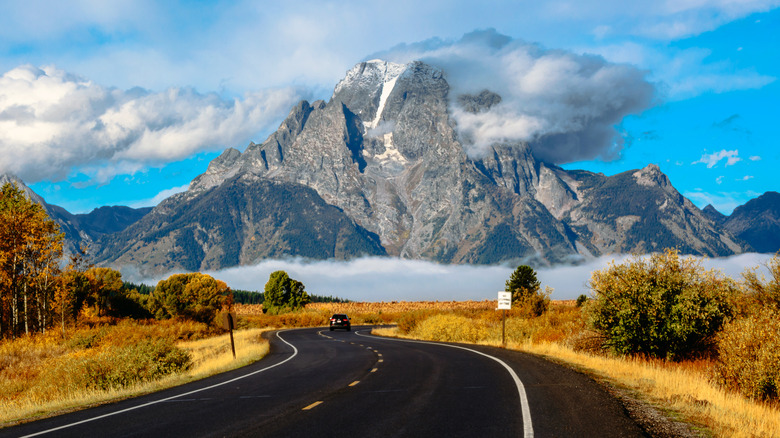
(528, 430)
(295, 353)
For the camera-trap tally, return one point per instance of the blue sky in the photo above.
(124, 102)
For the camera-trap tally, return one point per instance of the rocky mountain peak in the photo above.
(13, 179)
(385, 153)
(651, 175)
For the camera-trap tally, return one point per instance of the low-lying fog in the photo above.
(390, 279)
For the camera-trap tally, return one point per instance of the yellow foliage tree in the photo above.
(30, 250)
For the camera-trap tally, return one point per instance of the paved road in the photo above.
(316, 383)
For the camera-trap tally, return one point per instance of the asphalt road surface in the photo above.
(317, 383)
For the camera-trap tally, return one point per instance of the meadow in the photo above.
(106, 360)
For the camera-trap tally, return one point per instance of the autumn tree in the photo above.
(282, 291)
(30, 250)
(74, 288)
(193, 296)
(105, 289)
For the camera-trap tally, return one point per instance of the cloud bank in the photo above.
(388, 279)
(52, 123)
(565, 105)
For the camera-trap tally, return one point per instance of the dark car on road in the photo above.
(340, 320)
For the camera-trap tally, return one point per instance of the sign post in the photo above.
(504, 304)
(228, 322)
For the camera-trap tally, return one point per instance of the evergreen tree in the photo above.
(522, 283)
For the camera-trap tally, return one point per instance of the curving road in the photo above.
(316, 383)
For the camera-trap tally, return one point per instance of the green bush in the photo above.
(666, 306)
(142, 362)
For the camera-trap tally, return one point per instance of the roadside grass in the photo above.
(49, 374)
(686, 389)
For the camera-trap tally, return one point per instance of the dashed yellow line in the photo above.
(354, 383)
(312, 406)
(374, 370)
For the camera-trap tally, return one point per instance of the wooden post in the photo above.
(230, 327)
(503, 329)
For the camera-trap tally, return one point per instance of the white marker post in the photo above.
(504, 303)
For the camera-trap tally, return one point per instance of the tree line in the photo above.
(40, 291)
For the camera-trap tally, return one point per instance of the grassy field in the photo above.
(47, 374)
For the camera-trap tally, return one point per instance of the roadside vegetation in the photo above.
(682, 338)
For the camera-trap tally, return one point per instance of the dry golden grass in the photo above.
(43, 375)
(680, 387)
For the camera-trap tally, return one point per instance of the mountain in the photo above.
(713, 214)
(241, 221)
(757, 222)
(82, 229)
(381, 168)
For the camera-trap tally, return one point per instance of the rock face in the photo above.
(384, 160)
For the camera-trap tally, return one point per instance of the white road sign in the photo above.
(504, 300)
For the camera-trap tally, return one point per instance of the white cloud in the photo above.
(755, 158)
(712, 160)
(388, 279)
(566, 105)
(52, 122)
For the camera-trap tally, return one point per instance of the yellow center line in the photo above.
(354, 383)
(381, 360)
(374, 370)
(313, 405)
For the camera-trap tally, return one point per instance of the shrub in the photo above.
(452, 328)
(131, 364)
(749, 348)
(749, 356)
(534, 304)
(409, 320)
(662, 307)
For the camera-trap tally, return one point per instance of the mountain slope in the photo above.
(82, 229)
(241, 221)
(758, 222)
